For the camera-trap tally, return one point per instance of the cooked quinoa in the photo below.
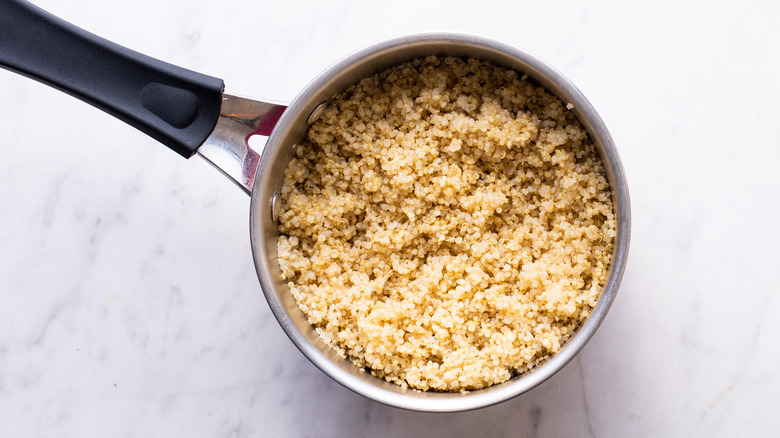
(446, 224)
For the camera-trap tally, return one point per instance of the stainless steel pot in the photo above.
(217, 126)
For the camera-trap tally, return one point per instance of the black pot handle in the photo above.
(175, 106)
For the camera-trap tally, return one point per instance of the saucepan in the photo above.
(192, 114)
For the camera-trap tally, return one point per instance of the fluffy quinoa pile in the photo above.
(446, 224)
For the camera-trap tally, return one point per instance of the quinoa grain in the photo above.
(446, 224)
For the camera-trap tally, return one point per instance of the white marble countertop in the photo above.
(130, 305)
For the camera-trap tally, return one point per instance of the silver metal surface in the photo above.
(227, 148)
(292, 128)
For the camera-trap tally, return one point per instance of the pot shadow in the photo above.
(564, 405)
(535, 413)
(591, 396)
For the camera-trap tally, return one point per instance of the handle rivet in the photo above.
(276, 206)
(317, 113)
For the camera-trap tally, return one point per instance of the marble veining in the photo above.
(130, 305)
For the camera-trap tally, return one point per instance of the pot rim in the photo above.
(263, 235)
